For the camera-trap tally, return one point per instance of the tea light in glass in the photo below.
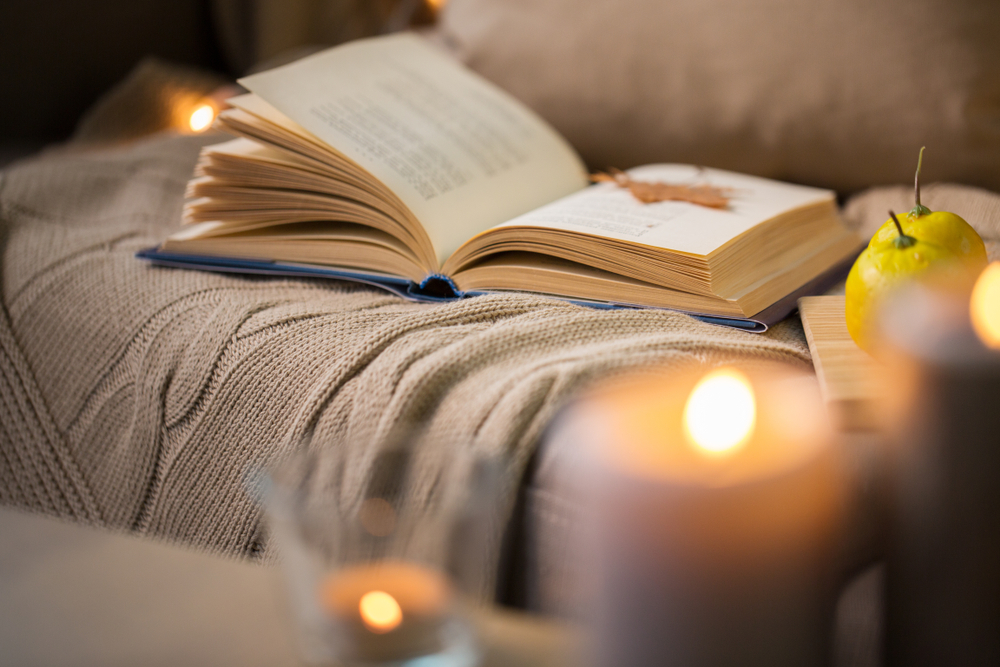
(369, 586)
(388, 611)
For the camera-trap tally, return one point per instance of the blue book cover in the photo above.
(440, 288)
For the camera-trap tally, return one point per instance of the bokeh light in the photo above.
(201, 118)
(377, 516)
(984, 307)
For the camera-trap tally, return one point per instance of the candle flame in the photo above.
(380, 611)
(721, 412)
(201, 118)
(984, 307)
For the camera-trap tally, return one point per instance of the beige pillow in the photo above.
(833, 93)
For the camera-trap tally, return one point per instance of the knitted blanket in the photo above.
(137, 397)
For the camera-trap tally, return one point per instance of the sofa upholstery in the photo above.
(138, 397)
(833, 93)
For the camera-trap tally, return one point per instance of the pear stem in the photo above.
(899, 227)
(901, 241)
(919, 209)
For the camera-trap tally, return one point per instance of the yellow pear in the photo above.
(939, 228)
(885, 265)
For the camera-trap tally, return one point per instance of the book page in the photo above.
(462, 154)
(610, 211)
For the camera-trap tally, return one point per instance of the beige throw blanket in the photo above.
(137, 397)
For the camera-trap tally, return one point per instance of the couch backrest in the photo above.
(838, 93)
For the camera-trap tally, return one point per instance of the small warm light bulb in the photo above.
(201, 117)
(721, 412)
(380, 611)
(436, 5)
(984, 307)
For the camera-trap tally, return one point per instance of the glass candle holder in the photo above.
(369, 579)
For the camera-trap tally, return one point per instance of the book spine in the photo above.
(435, 287)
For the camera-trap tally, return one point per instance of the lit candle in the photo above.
(943, 565)
(356, 600)
(715, 506)
(387, 611)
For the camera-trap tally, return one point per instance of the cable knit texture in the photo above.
(138, 397)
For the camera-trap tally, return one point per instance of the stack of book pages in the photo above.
(385, 161)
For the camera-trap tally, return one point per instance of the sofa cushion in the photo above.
(836, 93)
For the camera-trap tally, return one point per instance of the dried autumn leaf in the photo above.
(651, 192)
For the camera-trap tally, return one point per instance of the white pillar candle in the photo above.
(715, 501)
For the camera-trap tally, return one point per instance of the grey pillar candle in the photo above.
(703, 553)
(943, 574)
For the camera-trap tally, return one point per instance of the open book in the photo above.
(385, 161)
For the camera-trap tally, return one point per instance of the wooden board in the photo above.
(848, 376)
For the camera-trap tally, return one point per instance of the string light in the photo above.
(201, 118)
